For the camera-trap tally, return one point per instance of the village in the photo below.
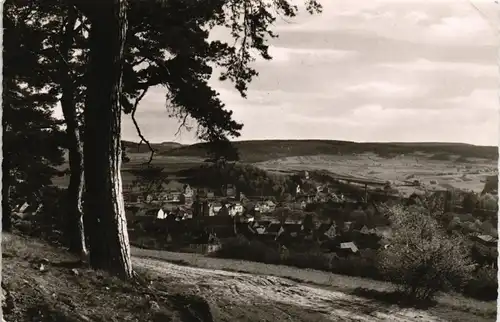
(339, 222)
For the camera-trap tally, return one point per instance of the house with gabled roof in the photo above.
(346, 249)
(235, 209)
(486, 240)
(326, 231)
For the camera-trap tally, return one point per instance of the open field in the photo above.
(398, 170)
(435, 165)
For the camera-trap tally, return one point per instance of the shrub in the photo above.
(469, 202)
(241, 248)
(355, 266)
(50, 221)
(489, 202)
(483, 285)
(314, 260)
(423, 260)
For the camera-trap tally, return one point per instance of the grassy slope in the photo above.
(64, 290)
(450, 307)
(262, 150)
(57, 293)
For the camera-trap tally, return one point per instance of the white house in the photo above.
(260, 230)
(161, 214)
(188, 191)
(176, 197)
(349, 245)
(214, 209)
(236, 209)
(264, 208)
(270, 204)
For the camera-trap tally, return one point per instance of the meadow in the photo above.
(436, 166)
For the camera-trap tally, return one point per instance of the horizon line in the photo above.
(324, 140)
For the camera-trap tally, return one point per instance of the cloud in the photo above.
(382, 70)
(424, 65)
(286, 55)
(386, 89)
(480, 100)
(417, 17)
(472, 25)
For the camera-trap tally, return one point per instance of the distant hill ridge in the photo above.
(263, 150)
(134, 147)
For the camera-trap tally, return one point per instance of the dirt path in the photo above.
(290, 300)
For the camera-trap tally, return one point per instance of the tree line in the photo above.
(246, 178)
(97, 60)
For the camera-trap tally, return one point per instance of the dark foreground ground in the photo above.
(43, 283)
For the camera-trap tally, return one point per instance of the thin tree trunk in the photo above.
(75, 228)
(6, 209)
(104, 206)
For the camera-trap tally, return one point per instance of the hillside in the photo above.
(45, 283)
(134, 147)
(264, 150)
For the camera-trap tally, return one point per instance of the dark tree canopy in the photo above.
(168, 45)
(31, 136)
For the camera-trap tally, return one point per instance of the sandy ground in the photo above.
(236, 289)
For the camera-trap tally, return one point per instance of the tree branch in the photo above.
(183, 124)
(143, 139)
(140, 61)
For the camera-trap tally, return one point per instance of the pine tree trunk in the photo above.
(75, 228)
(104, 205)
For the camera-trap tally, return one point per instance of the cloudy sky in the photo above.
(377, 70)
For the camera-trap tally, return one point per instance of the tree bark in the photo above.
(6, 209)
(75, 228)
(104, 205)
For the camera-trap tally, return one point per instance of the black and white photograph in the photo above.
(250, 160)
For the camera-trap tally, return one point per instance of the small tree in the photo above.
(423, 260)
(470, 201)
(150, 179)
(488, 201)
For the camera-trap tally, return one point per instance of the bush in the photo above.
(257, 251)
(483, 285)
(50, 222)
(356, 266)
(423, 260)
(469, 202)
(489, 202)
(241, 248)
(314, 260)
